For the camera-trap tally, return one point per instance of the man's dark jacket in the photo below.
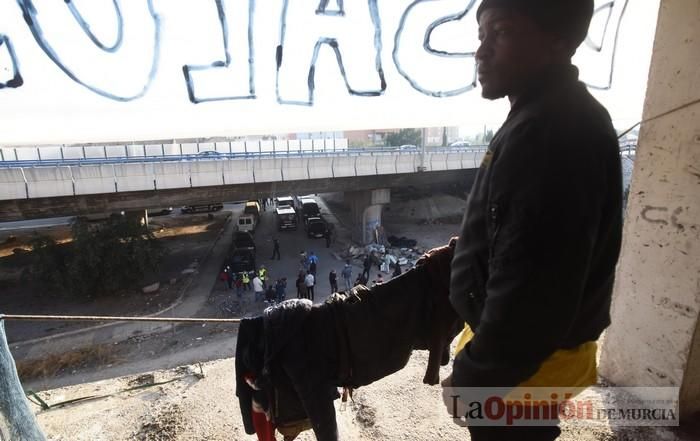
(534, 265)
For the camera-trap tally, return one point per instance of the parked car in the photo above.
(202, 208)
(408, 148)
(241, 259)
(315, 227)
(243, 240)
(285, 201)
(252, 207)
(247, 222)
(286, 218)
(309, 208)
(460, 144)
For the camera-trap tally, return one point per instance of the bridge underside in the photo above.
(20, 209)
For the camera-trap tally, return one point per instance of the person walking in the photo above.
(313, 262)
(231, 277)
(275, 249)
(366, 266)
(309, 282)
(327, 236)
(303, 261)
(258, 288)
(347, 275)
(333, 280)
(224, 276)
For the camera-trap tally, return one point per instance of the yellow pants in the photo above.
(566, 368)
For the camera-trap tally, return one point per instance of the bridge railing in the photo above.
(91, 155)
(37, 179)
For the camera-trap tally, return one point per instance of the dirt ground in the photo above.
(185, 239)
(199, 403)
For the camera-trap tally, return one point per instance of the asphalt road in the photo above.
(291, 244)
(35, 223)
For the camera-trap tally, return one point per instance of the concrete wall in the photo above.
(654, 338)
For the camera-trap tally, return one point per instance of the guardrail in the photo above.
(39, 179)
(215, 155)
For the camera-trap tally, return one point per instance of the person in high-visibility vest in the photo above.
(262, 273)
(246, 280)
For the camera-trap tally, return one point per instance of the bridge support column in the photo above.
(654, 339)
(366, 210)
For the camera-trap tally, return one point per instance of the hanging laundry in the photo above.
(297, 354)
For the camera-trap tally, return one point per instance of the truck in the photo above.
(202, 208)
(285, 201)
(309, 208)
(315, 227)
(286, 218)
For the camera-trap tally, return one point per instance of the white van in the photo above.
(247, 222)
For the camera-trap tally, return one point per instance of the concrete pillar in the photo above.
(366, 212)
(654, 339)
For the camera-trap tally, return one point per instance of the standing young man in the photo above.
(533, 268)
(347, 275)
(310, 282)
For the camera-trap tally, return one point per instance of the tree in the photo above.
(404, 136)
(103, 259)
(488, 136)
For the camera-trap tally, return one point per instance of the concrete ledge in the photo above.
(294, 169)
(12, 184)
(49, 181)
(365, 165)
(320, 167)
(171, 174)
(406, 163)
(343, 166)
(268, 170)
(386, 164)
(206, 173)
(237, 172)
(437, 161)
(94, 179)
(134, 177)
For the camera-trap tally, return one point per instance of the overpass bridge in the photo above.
(59, 186)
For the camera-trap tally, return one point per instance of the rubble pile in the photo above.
(385, 256)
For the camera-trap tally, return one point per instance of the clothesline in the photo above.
(97, 318)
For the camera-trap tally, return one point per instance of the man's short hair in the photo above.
(567, 18)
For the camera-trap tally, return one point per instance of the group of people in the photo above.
(257, 281)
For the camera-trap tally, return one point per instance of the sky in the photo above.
(86, 84)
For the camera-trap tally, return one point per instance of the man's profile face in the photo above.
(513, 51)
